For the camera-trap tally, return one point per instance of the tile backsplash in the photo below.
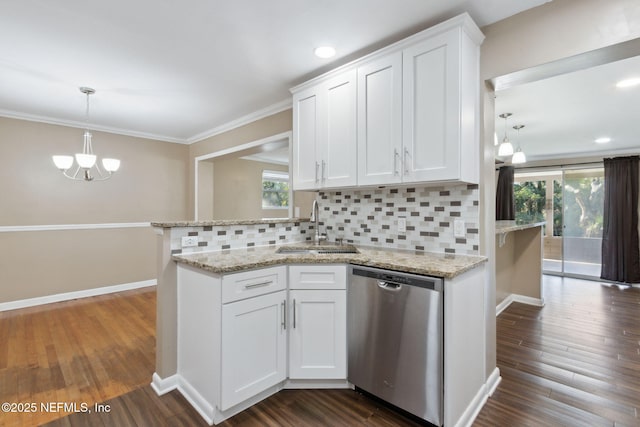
(215, 238)
(370, 217)
(367, 217)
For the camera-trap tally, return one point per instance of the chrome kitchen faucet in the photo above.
(315, 210)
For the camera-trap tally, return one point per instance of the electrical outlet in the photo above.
(189, 241)
(402, 224)
(458, 228)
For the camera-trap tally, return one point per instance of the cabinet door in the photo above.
(253, 347)
(431, 109)
(318, 334)
(338, 120)
(306, 139)
(379, 121)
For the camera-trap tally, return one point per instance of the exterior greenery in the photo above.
(582, 202)
(583, 207)
(275, 194)
(530, 200)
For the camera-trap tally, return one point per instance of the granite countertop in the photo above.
(507, 226)
(226, 222)
(426, 263)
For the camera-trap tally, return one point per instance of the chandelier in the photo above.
(87, 168)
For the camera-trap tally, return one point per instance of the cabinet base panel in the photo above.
(317, 384)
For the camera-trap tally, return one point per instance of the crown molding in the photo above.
(83, 125)
(244, 120)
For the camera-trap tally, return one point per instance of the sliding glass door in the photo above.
(570, 202)
(583, 206)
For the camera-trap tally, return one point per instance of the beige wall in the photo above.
(151, 185)
(255, 131)
(547, 33)
(237, 189)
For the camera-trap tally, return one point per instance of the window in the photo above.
(275, 190)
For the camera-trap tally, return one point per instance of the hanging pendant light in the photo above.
(505, 148)
(518, 156)
(87, 168)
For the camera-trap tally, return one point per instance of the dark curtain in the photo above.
(505, 202)
(620, 254)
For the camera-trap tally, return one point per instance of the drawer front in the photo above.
(238, 286)
(318, 277)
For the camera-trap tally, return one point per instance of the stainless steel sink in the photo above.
(317, 249)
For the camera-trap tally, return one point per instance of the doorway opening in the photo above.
(570, 200)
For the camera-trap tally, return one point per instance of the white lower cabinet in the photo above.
(318, 327)
(239, 334)
(317, 338)
(254, 345)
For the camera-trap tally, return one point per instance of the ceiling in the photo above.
(180, 71)
(563, 115)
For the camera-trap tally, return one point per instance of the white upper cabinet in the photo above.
(380, 120)
(324, 127)
(440, 109)
(417, 109)
(306, 138)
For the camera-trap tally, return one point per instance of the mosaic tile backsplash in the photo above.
(215, 238)
(367, 217)
(370, 217)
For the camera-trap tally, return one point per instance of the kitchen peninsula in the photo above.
(254, 290)
(518, 263)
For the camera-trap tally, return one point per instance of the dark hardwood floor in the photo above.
(574, 362)
(82, 351)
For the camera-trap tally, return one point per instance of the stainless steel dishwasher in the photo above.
(395, 335)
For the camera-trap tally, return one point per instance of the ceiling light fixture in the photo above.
(628, 82)
(86, 160)
(506, 148)
(518, 156)
(602, 140)
(325, 52)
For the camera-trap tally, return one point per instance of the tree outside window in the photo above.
(275, 190)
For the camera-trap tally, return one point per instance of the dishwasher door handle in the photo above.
(389, 286)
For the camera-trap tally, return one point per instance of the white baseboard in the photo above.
(477, 403)
(164, 385)
(196, 400)
(538, 302)
(469, 415)
(493, 381)
(47, 299)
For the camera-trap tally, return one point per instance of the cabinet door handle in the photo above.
(284, 314)
(257, 285)
(395, 161)
(406, 161)
(324, 165)
(317, 167)
(294, 313)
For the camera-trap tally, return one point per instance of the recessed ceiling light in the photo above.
(603, 140)
(628, 82)
(325, 52)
